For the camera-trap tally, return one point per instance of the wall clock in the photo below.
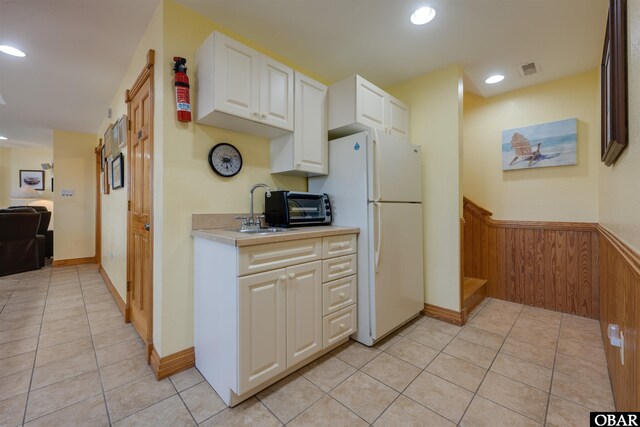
(225, 160)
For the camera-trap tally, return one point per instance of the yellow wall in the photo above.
(189, 185)
(12, 160)
(620, 183)
(435, 101)
(5, 176)
(565, 193)
(114, 205)
(74, 222)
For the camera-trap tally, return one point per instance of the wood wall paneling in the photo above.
(552, 265)
(619, 275)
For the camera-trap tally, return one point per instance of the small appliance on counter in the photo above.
(294, 208)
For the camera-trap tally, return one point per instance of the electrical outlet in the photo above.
(67, 193)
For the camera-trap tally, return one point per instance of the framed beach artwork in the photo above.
(539, 146)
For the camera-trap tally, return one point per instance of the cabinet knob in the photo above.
(342, 295)
(283, 278)
(344, 246)
(342, 325)
(256, 115)
(292, 276)
(263, 116)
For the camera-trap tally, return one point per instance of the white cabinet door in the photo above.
(262, 326)
(304, 311)
(370, 104)
(310, 149)
(397, 122)
(237, 76)
(276, 93)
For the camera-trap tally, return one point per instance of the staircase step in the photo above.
(475, 290)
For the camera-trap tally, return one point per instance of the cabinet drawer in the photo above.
(336, 268)
(255, 259)
(338, 245)
(338, 294)
(338, 325)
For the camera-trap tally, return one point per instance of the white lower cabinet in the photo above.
(304, 311)
(252, 329)
(262, 322)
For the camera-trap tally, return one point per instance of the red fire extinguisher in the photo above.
(183, 103)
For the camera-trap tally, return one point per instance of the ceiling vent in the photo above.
(529, 68)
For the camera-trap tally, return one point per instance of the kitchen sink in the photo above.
(269, 230)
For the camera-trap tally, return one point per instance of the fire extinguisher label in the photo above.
(183, 106)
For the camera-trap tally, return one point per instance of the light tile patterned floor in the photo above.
(67, 358)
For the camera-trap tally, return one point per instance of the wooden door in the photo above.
(140, 211)
(237, 78)
(311, 148)
(262, 320)
(304, 311)
(276, 93)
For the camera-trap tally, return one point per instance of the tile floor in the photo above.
(67, 358)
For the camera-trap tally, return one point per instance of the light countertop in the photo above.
(298, 233)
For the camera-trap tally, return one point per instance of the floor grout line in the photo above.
(35, 356)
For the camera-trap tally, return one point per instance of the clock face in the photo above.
(225, 159)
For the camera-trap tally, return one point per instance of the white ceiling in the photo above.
(77, 52)
(79, 49)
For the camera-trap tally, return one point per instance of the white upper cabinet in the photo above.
(241, 89)
(306, 151)
(356, 104)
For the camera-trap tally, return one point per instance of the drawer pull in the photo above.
(342, 325)
(342, 295)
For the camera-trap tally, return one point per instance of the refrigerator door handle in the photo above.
(379, 232)
(376, 154)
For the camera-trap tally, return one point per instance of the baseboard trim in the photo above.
(122, 306)
(164, 367)
(446, 315)
(73, 261)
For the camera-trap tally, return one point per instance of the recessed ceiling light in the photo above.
(9, 50)
(423, 15)
(496, 78)
(3, 138)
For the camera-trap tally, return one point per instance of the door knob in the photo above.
(147, 226)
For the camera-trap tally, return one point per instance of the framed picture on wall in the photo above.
(32, 178)
(107, 175)
(117, 172)
(613, 84)
(102, 157)
(115, 139)
(108, 141)
(123, 133)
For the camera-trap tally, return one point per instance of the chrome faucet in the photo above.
(251, 221)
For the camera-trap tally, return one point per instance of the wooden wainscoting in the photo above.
(620, 295)
(553, 265)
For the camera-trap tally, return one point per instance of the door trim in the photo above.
(98, 236)
(146, 73)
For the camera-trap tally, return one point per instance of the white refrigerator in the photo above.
(375, 183)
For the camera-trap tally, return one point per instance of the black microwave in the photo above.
(293, 208)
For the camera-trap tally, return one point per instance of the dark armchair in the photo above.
(20, 245)
(43, 229)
